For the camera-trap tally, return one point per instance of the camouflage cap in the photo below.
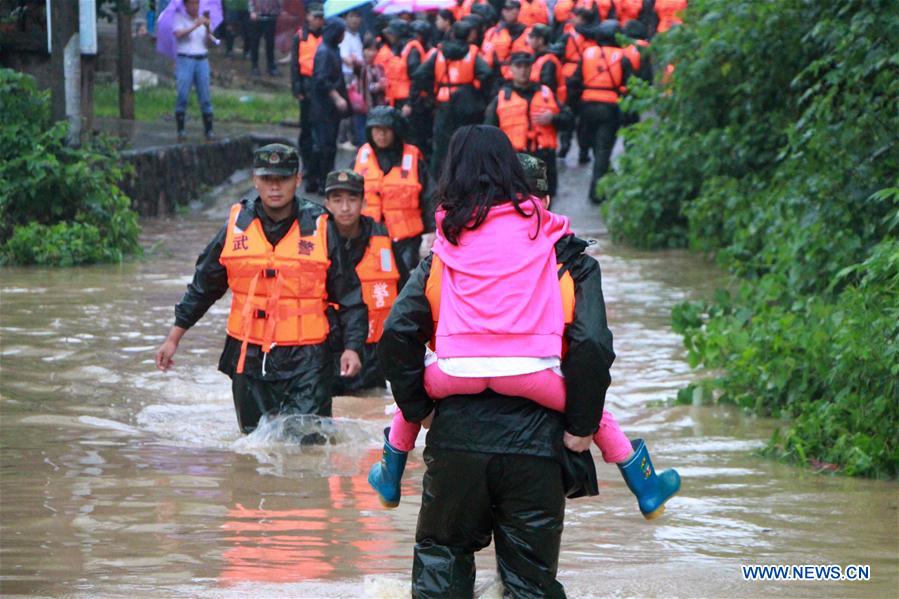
(535, 171)
(521, 57)
(542, 31)
(316, 9)
(485, 11)
(276, 159)
(345, 178)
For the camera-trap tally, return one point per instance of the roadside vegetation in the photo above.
(58, 205)
(773, 148)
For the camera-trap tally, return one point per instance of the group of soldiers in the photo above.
(541, 75)
(291, 347)
(311, 285)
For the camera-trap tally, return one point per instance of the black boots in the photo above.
(179, 120)
(207, 126)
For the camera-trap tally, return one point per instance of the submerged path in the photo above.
(120, 480)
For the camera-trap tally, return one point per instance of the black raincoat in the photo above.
(301, 87)
(494, 462)
(370, 375)
(564, 121)
(406, 251)
(465, 107)
(291, 378)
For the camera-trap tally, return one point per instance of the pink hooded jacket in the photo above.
(500, 292)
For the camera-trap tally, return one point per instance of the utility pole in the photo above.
(65, 62)
(125, 61)
(88, 35)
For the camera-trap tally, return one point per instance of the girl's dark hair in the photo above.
(446, 15)
(481, 170)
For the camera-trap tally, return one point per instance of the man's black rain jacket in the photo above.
(210, 283)
(585, 366)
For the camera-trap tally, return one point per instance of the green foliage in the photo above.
(829, 364)
(152, 103)
(58, 205)
(774, 146)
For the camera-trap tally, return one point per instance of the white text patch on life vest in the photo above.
(380, 293)
(386, 265)
(407, 162)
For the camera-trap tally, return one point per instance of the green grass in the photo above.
(154, 102)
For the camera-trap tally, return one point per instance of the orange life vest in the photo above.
(449, 75)
(306, 53)
(603, 74)
(435, 284)
(386, 60)
(561, 87)
(487, 49)
(379, 276)
(670, 13)
(601, 7)
(516, 118)
(632, 53)
(533, 12)
(626, 10)
(464, 9)
(563, 11)
(396, 194)
(278, 293)
(504, 46)
(575, 44)
(398, 75)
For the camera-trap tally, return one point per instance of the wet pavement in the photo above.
(119, 480)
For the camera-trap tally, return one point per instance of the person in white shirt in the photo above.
(351, 46)
(192, 35)
(353, 62)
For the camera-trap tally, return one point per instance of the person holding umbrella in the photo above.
(193, 33)
(184, 30)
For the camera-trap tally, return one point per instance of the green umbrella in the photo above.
(338, 7)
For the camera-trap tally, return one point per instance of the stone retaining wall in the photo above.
(166, 177)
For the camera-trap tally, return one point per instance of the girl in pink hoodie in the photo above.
(501, 318)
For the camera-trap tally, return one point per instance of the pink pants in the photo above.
(544, 387)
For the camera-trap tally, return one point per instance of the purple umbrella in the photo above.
(165, 24)
(392, 7)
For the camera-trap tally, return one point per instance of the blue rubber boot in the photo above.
(385, 476)
(652, 490)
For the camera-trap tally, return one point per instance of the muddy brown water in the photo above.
(119, 480)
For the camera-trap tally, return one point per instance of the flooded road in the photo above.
(119, 480)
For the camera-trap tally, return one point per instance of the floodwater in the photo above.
(119, 480)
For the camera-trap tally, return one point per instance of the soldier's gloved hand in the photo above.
(350, 364)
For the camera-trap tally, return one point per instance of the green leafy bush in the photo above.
(829, 364)
(774, 147)
(58, 205)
